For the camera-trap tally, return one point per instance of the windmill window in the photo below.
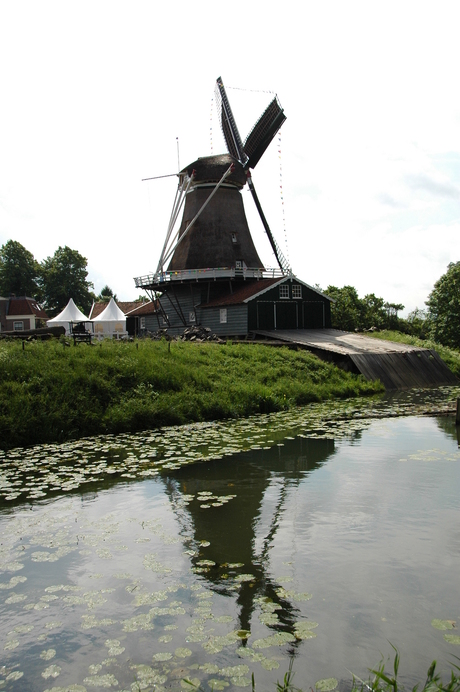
(191, 316)
(234, 238)
(18, 326)
(239, 264)
(223, 315)
(296, 291)
(284, 291)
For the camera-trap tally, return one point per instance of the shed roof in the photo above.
(251, 290)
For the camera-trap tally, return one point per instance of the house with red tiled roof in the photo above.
(21, 313)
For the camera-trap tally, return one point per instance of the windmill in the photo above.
(209, 272)
(250, 153)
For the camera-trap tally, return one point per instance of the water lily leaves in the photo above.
(269, 664)
(234, 671)
(452, 638)
(107, 680)
(48, 654)
(188, 683)
(278, 639)
(162, 656)
(326, 685)
(218, 684)
(443, 624)
(182, 652)
(51, 672)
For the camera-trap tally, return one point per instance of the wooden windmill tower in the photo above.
(210, 263)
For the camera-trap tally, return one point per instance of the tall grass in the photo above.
(52, 392)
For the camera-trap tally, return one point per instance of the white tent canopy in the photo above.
(111, 321)
(70, 314)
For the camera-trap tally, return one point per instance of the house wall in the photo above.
(237, 320)
(270, 311)
(28, 322)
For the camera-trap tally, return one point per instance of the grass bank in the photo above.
(450, 356)
(50, 392)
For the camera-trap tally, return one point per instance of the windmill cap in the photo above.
(210, 169)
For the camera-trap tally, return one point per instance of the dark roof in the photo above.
(210, 169)
(246, 292)
(130, 307)
(143, 309)
(25, 306)
(251, 290)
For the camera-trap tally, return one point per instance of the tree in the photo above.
(374, 314)
(19, 271)
(346, 311)
(444, 307)
(64, 276)
(106, 294)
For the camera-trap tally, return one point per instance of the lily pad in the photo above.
(443, 624)
(326, 685)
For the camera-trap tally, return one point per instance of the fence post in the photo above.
(457, 416)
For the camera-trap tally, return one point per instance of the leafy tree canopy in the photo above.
(346, 312)
(444, 307)
(106, 294)
(19, 271)
(64, 276)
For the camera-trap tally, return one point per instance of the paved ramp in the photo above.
(397, 366)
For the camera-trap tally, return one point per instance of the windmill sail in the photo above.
(228, 124)
(263, 132)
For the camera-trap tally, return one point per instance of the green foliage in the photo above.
(351, 313)
(106, 294)
(19, 271)
(346, 312)
(64, 276)
(50, 392)
(444, 308)
(384, 681)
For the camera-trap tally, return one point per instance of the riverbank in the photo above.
(50, 392)
(450, 356)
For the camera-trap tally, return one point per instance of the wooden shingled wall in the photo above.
(418, 368)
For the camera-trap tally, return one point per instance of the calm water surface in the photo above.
(322, 548)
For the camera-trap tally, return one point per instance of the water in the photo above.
(351, 529)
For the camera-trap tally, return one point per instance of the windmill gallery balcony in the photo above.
(157, 280)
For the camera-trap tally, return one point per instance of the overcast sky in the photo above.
(93, 95)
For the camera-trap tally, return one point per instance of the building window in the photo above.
(191, 316)
(296, 291)
(239, 264)
(284, 291)
(234, 238)
(18, 326)
(142, 323)
(223, 315)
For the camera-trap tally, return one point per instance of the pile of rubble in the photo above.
(198, 334)
(189, 334)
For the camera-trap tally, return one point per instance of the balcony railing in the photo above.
(206, 274)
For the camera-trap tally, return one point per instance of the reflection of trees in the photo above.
(447, 425)
(231, 529)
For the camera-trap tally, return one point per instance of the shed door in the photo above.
(286, 315)
(265, 315)
(313, 314)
